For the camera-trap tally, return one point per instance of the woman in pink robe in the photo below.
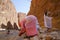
(28, 26)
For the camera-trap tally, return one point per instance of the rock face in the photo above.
(21, 16)
(7, 13)
(38, 8)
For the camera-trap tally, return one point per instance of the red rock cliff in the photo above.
(39, 6)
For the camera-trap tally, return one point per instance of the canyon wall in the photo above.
(21, 16)
(38, 8)
(8, 13)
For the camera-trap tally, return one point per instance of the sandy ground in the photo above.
(42, 36)
(12, 36)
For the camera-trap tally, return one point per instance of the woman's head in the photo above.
(46, 13)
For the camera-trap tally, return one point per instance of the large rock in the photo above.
(21, 16)
(38, 8)
(7, 13)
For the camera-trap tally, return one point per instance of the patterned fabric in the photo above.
(28, 25)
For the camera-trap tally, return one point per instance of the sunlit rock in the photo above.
(38, 8)
(7, 13)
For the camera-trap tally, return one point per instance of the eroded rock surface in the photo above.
(38, 8)
(7, 13)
